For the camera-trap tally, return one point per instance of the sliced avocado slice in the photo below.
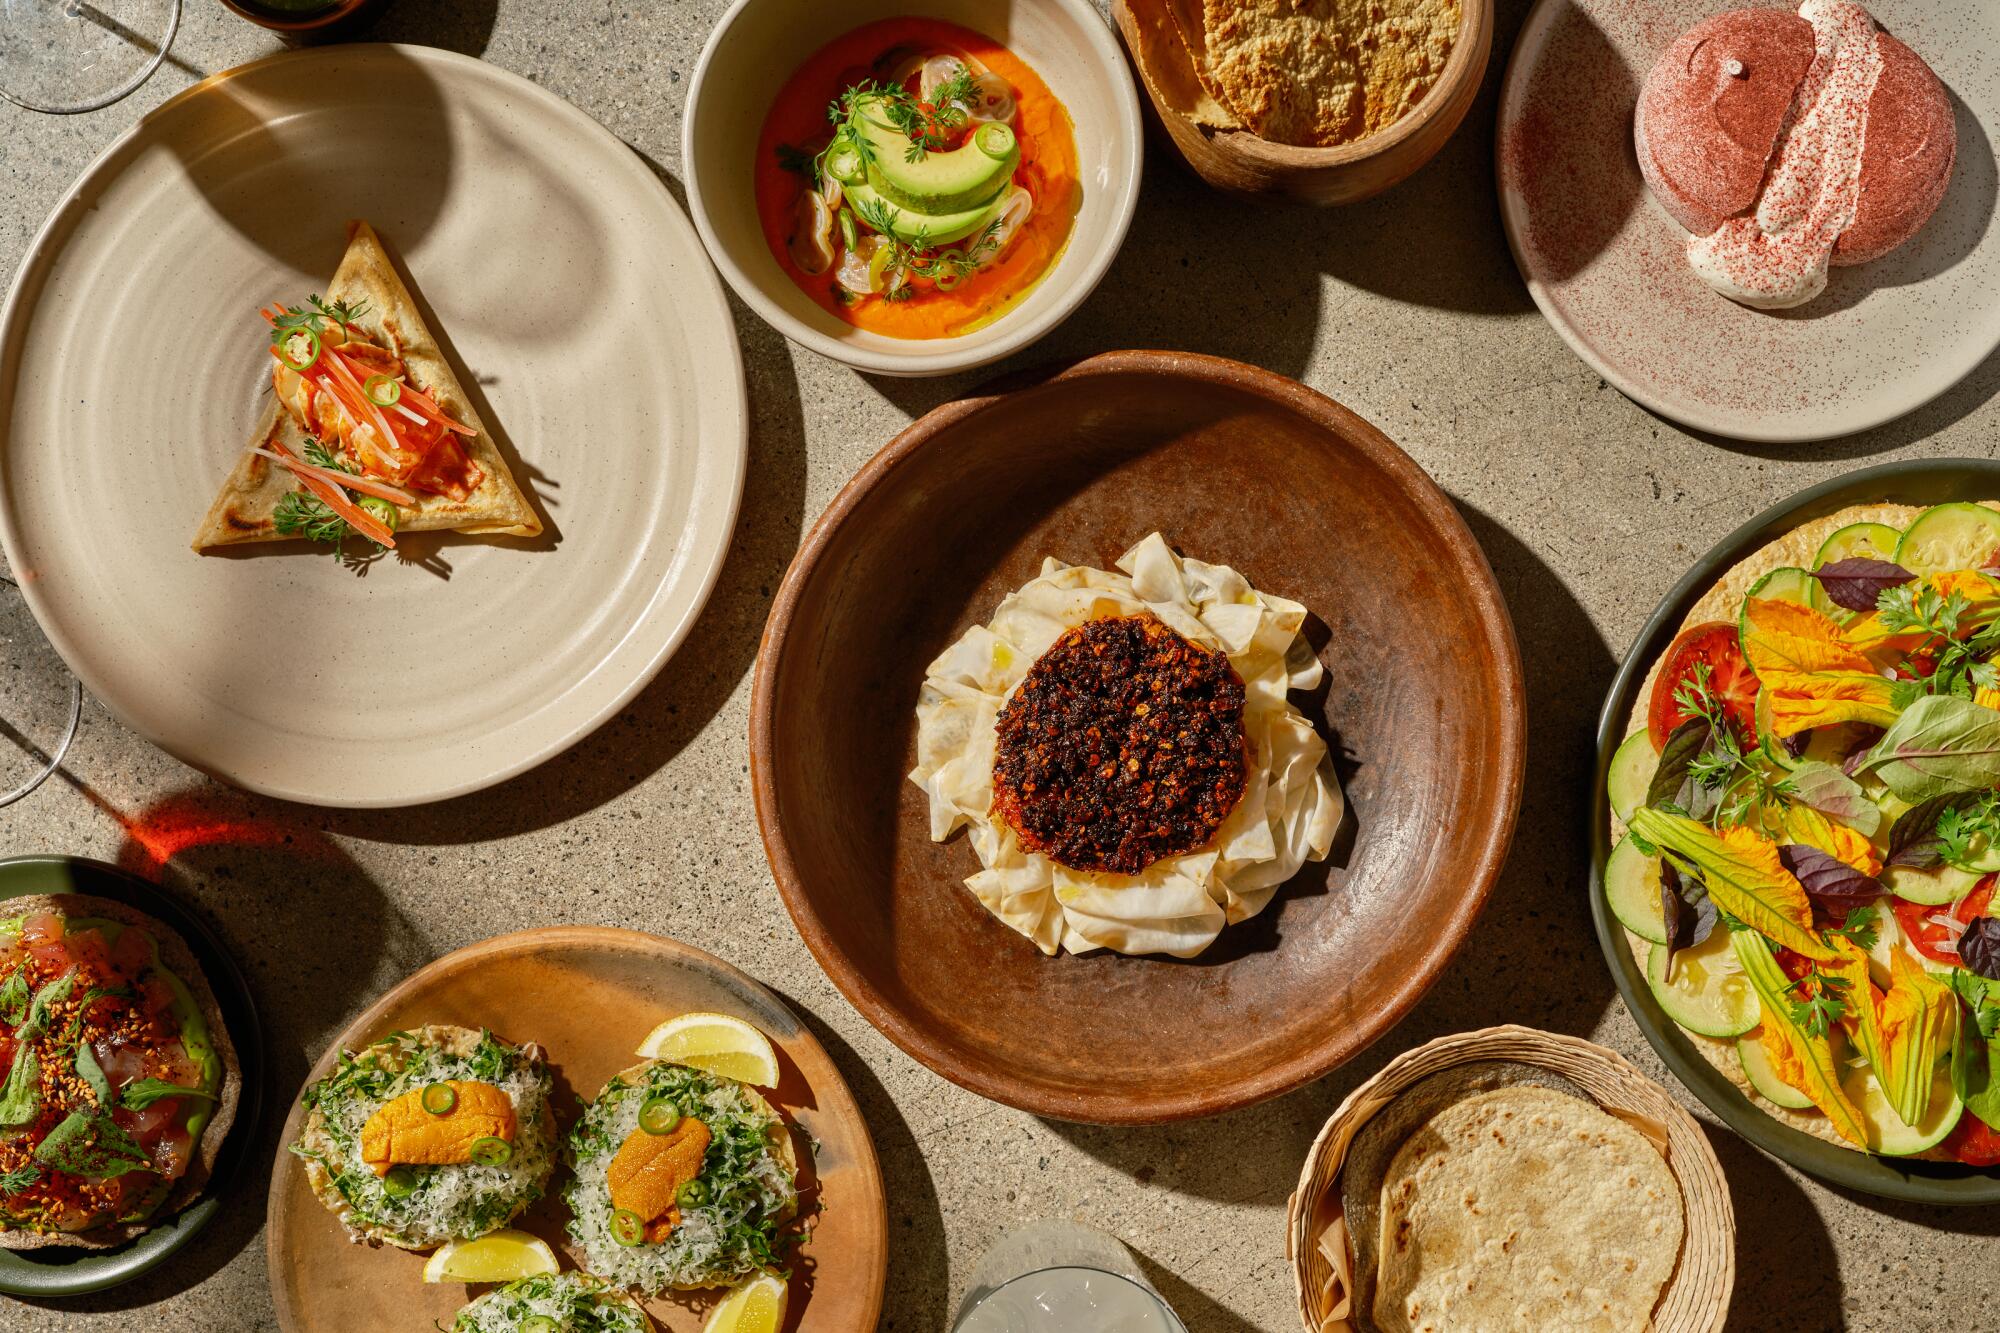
(936, 183)
(923, 229)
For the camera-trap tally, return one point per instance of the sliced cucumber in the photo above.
(1632, 765)
(1932, 888)
(1709, 993)
(1757, 1068)
(1982, 855)
(1888, 943)
(1887, 1134)
(1632, 891)
(1786, 584)
(1951, 536)
(1863, 541)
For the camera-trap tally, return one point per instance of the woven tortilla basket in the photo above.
(1696, 1297)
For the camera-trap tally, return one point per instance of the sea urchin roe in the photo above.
(1123, 745)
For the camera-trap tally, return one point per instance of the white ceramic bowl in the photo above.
(759, 43)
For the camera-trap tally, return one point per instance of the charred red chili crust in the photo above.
(1123, 745)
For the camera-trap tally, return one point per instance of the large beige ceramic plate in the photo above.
(1605, 263)
(589, 995)
(586, 323)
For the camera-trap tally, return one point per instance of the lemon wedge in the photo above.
(715, 1042)
(502, 1256)
(758, 1306)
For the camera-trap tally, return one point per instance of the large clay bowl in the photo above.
(1232, 464)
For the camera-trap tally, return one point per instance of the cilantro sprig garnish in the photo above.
(1859, 927)
(314, 315)
(1821, 1001)
(1722, 766)
(300, 513)
(1960, 666)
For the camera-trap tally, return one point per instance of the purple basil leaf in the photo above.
(1856, 584)
(1913, 838)
(1796, 743)
(1979, 947)
(1827, 877)
(1862, 740)
(1687, 912)
(1684, 744)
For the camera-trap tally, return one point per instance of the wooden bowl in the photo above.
(1240, 162)
(588, 995)
(1696, 1297)
(1235, 465)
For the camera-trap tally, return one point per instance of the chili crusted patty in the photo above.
(1122, 746)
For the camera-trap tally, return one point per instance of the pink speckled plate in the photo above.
(590, 331)
(1604, 262)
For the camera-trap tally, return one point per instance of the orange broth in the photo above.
(1048, 171)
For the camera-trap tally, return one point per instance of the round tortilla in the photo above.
(1526, 1209)
(176, 958)
(1795, 549)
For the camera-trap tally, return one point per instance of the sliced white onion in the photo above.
(1019, 207)
(811, 241)
(853, 273)
(830, 191)
(995, 100)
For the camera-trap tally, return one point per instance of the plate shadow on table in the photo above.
(1787, 1274)
(692, 687)
(267, 216)
(314, 937)
(919, 1265)
(464, 26)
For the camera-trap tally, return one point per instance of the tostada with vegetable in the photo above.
(916, 178)
(684, 1177)
(369, 432)
(438, 1134)
(554, 1303)
(1806, 817)
(121, 1082)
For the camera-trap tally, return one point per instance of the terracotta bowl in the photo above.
(1233, 464)
(1240, 162)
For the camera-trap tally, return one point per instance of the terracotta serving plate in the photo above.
(1233, 464)
(589, 994)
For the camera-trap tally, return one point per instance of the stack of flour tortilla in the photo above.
(1485, 1200)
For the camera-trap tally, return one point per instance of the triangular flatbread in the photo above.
(244, 511)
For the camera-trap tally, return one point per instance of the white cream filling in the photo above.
(1291, 802)
(1778, 258)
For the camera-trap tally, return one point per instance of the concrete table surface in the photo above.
(1407, 309)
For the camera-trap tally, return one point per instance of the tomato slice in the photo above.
(1973, 1141)
(1926, 934)
(1730, 680)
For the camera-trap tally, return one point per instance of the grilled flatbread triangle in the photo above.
(245, 510)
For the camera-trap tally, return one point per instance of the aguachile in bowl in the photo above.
(916, 178)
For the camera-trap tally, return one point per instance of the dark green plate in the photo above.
(66, 1271)
(1918, 482)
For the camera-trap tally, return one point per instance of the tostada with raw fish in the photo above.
(438, 1134)
(121, 1082)
(684, 1177)
(1807, 821)
(369, 432)
(917, 179)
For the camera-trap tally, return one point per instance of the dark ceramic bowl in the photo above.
(1926, 481)
(70, 1271)
(1234, 465)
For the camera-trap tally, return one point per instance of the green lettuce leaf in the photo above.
(1941, 744)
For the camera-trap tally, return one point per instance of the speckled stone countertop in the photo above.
(1408, 310)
